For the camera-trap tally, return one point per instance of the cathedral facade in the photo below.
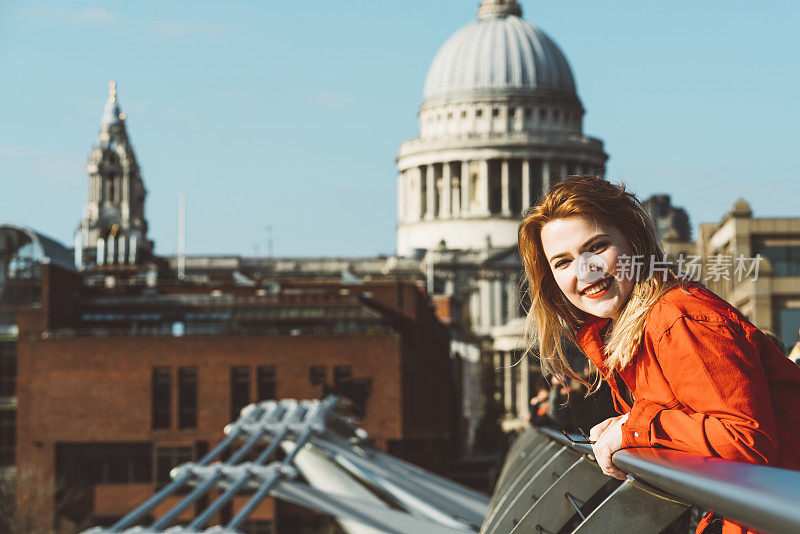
(500, 122)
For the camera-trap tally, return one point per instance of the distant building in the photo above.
(500, 122)
(113, 370)
(143, 381)
(754, 263)
(668, 219)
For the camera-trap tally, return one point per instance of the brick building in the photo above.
(107, 386)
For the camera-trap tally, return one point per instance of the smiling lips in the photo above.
(598, 289)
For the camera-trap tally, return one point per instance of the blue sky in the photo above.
(290, 114)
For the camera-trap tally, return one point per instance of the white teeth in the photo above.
(599, 288)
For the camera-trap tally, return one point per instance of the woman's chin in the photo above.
(603, 308)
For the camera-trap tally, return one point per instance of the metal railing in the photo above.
(365, 489)
(549, 485)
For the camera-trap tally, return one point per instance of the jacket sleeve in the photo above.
(723, 406)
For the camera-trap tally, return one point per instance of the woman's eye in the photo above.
(597, 246)
(560, 263)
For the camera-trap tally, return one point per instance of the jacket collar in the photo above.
(590, 340)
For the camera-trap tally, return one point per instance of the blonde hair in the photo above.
(551, 318)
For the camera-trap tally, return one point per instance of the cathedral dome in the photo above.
(499, 51)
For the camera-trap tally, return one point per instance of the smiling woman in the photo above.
(574, 244)
(687, 370)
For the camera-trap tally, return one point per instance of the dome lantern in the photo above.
(498, 8)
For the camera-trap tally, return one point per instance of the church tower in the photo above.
(113, 230)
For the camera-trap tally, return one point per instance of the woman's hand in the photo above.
(608, 440)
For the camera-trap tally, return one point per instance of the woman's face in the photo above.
(583, 256)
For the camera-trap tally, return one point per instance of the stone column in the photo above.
(124, 198)
(484, 186)
(507, 383)
(401, 197)
(545, 176)
(447, 191)
(523, 393)
(456, 194)
(505, 210)
(564, 171)
(476, 316)
(417, 193)
(526, 184)
(411, 185)
(512, 290)
(466, 183)
(430, 191)
(497, 302)
(486, 303)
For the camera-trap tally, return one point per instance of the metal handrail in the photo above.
(762, 497)
(768, 498)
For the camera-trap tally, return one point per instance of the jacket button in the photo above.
(636, 434)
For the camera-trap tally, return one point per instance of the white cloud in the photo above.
(82, 16)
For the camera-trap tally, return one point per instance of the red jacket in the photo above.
(706, 381)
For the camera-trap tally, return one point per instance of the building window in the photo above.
(8, 323)
(785, 259)
(8, 437)
(556, 115)
(8, 368)
(479, 113)
(87, 464)
(464, 114)
(356, 389)
(495, 112)
(240, 390)
(317, 374)
(450, 116)
(161, 396)
(527, 113)
(168, 458)
(512, 112)
(267, 382)
(788, 324)
(187, 397)
(543, 114)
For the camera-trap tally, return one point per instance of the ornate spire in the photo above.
(498, 8)
(114, 228)
(111, 114)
